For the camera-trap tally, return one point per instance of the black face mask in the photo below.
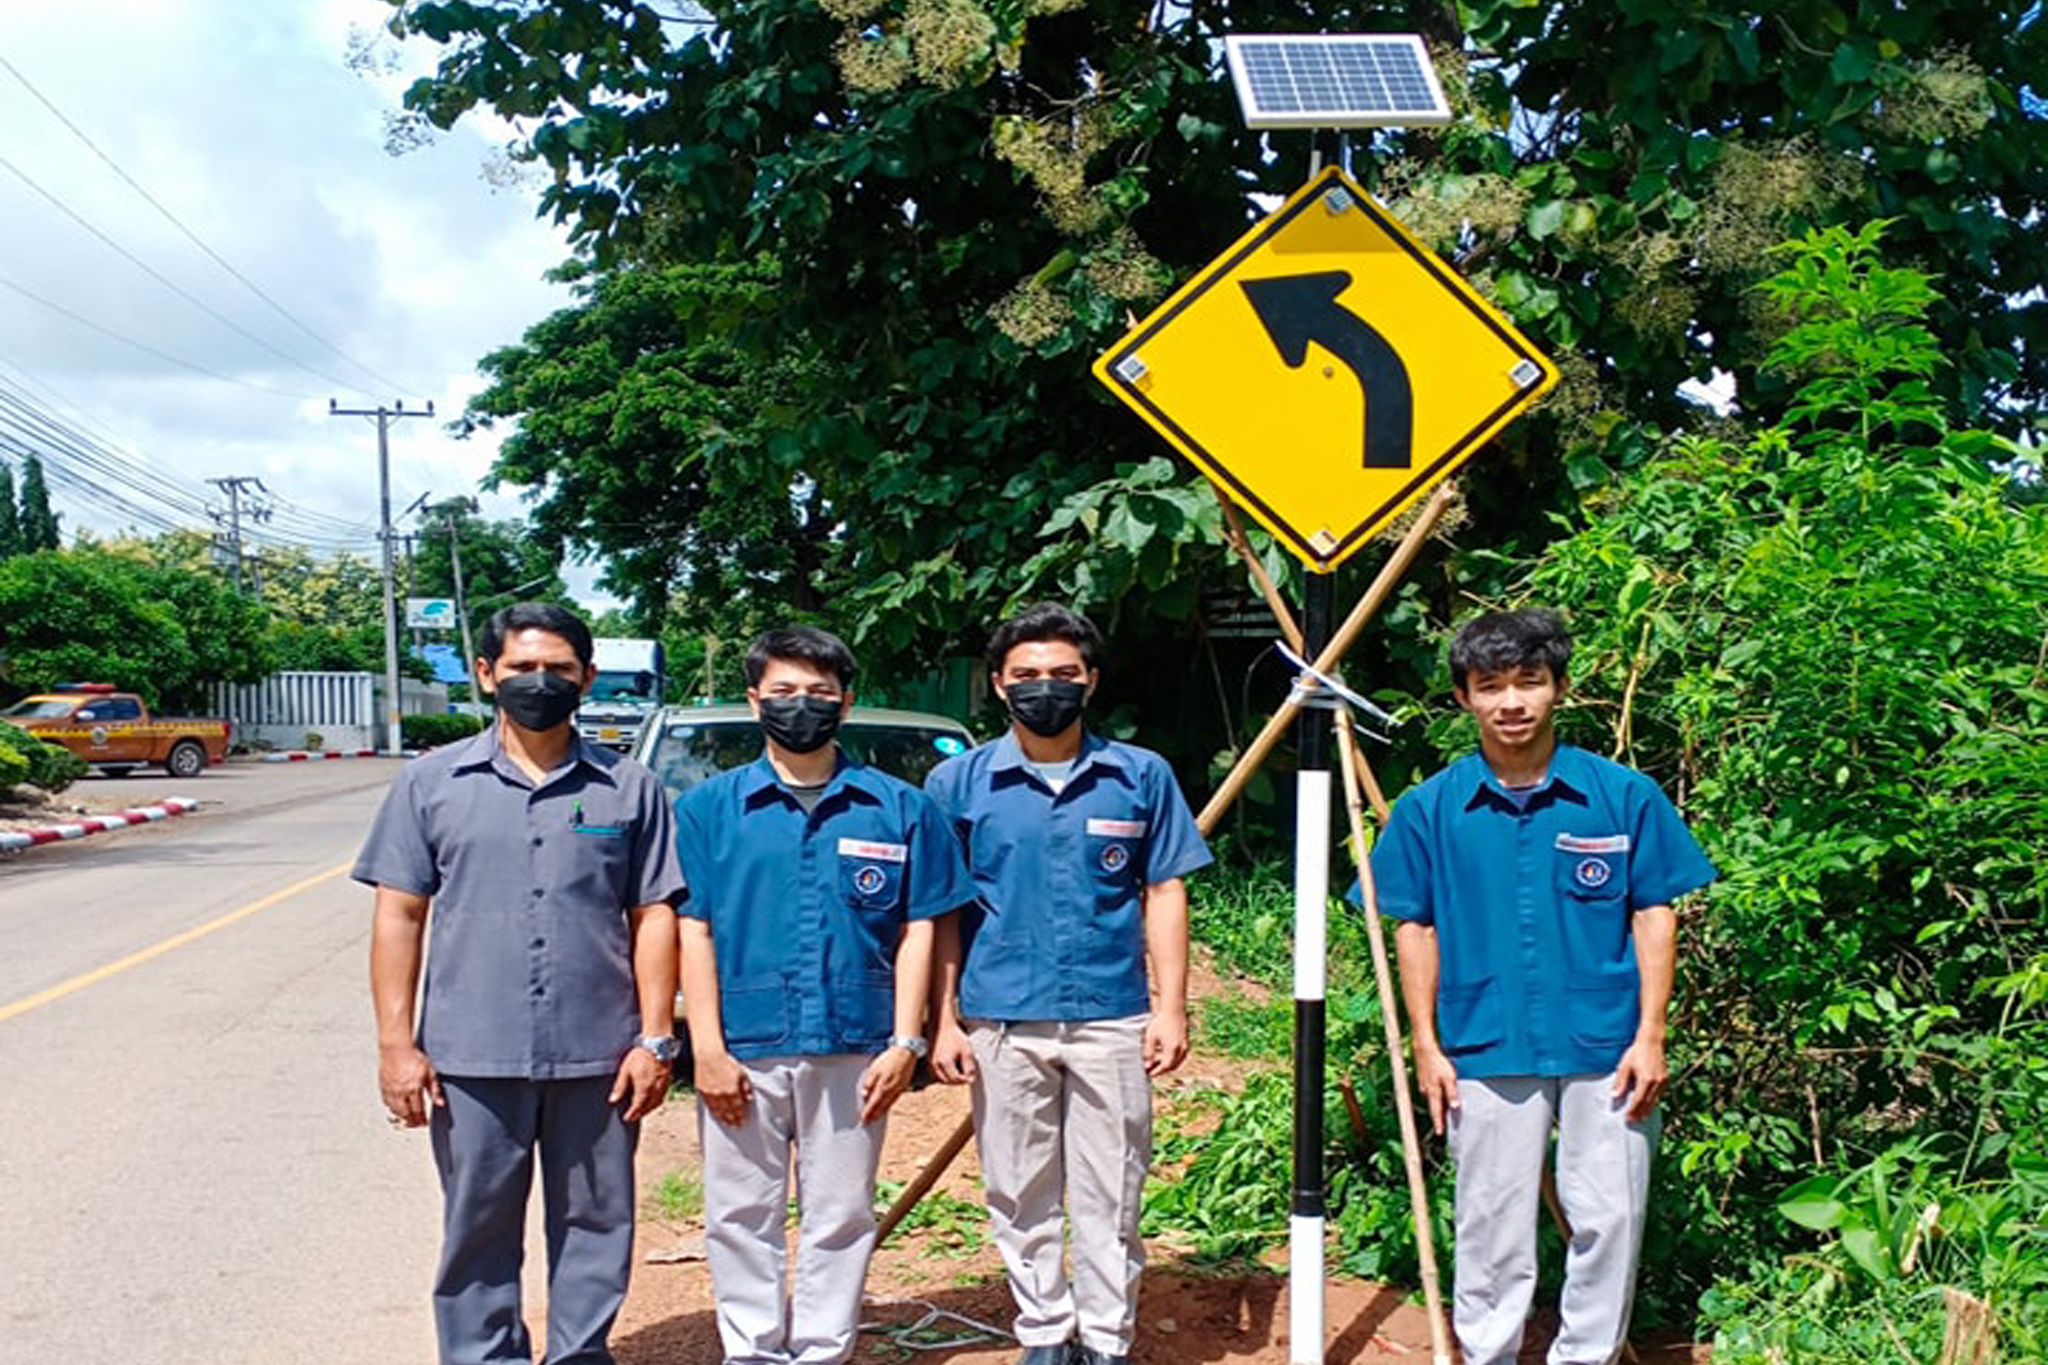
(801, 725)
(538, 701)
(1047, 706)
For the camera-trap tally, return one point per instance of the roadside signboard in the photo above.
(1326, 370)
(430, 613)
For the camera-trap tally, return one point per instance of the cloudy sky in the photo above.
(386, 276)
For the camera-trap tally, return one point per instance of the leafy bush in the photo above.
(14, 768)
(49, 766)
(427, 732)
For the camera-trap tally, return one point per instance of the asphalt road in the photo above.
(193, 1163)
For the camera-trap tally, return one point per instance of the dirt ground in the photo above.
(930, 1285)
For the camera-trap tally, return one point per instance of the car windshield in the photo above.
(636, 686)
(687, 752)
(33, 708)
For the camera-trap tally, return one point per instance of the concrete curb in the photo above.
(98, 824)
(315, 755)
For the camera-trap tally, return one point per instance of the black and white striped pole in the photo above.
(1305, 1268)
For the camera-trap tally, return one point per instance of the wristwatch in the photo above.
(666, 1047)
(913, 1043)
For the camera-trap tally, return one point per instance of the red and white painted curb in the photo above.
(98, 824)
(315, 755)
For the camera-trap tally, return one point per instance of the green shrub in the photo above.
(428, 732)
(13, 767)
(49, 766)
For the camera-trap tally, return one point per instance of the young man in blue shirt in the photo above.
(806, 953)
(1533, 884)
(1078, 845)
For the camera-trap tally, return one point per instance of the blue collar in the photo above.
(1095, 751)
(1566, 778)
(760, 782)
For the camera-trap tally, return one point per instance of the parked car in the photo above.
(115, 732)
(687, 744)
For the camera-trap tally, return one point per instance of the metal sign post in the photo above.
(1305, 1269)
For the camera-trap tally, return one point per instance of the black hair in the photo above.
(1045, 621)
(821, 649)
(547, 616)
(1510, 639)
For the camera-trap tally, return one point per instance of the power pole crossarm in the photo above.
(394, 741)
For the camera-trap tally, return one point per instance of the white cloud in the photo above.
(242, 119)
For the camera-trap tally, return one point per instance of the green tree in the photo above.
(949, 204)
(502, 562)
(37, 523)
(10, 513)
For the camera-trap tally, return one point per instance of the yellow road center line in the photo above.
(99, 974)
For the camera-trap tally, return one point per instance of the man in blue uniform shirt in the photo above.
(1533, 884)
(547, 867)
(806, 950)
(1078, 845)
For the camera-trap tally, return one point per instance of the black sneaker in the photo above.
(1088, 1355)
(1062, 1354)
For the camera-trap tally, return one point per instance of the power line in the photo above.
(165, 280)
(145, 347)
(190, 235)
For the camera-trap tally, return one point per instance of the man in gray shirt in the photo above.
(547, 869)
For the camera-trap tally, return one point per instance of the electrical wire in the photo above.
(148, 349)
(194, 237)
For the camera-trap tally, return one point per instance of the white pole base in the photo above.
(1305, 1291)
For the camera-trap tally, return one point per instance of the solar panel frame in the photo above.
(1334, 80)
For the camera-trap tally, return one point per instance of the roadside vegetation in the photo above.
(1826, 636)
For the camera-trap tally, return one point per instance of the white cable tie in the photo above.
(1334, 689)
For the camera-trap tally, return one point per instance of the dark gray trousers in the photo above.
(484, 1145)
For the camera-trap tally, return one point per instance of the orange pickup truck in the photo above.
(115, 732)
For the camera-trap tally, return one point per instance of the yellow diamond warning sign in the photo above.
(1326, 370)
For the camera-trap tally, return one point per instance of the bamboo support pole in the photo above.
(1404, 1104)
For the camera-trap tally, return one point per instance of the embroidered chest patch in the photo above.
(1115, 857)
(1592, 873)
(869, 879)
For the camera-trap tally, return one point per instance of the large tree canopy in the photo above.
(849, 256)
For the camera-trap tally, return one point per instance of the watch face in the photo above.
(664, 1049)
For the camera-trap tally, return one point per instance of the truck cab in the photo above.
(631, 678)
(115, 732)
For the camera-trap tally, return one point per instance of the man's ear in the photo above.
(1464, 701)
(480, 676)
(1094, 677)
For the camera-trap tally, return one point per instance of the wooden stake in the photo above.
(1340, 644)
(1404, 1104)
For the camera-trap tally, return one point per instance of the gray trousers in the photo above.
(1499, 1137)
(1063, 1112)
(484, 1143)
(809, 1107)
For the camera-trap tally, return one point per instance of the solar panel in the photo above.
(1334, 80)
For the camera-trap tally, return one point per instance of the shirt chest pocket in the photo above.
(871, 874)
(1114, 849)
(1592, 868)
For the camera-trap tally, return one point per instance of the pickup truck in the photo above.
(115, 732)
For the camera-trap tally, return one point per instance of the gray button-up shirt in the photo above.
(530, 960)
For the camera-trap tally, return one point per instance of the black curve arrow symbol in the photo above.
(1299, 309)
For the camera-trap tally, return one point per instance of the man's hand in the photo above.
(1166, 1041)
(644, 1077)
(1642, 1070)
(1437, 1079)
(952, 1055)
(722, 1085)
(407, 1081)
(887, 1077)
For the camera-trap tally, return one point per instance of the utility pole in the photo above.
(234, 486)
(393, 740)
(452, 510)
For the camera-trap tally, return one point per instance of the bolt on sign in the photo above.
(1326, 370)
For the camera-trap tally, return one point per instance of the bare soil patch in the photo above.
(1187, 1314)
